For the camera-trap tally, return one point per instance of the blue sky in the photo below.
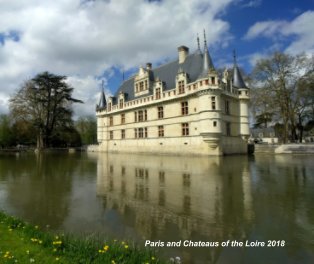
(95, 41)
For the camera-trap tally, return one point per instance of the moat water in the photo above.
(265, 202)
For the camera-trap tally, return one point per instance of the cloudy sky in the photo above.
(91, 41)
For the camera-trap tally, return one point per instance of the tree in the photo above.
(6, 135)
(45, 102)
(87, 128)
(283, 77)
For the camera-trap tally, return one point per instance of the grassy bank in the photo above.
(23, 243)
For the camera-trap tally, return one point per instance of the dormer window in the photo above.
(142, 81)
(181, 81)
(181, 87)
(157, 95)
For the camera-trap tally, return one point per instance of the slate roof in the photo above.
(193, 66)
(102, 101)
(237, 78)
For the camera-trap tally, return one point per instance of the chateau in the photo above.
(182, 107)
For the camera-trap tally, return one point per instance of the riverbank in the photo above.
(23, 243)
(285, 148)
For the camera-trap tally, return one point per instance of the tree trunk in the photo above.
(40, 140)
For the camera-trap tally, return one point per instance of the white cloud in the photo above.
(83, 40)
(253, 3)
(301, 29)
(266, 29)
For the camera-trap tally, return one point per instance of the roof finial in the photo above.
(234, 57)
(205, 43)
(198, 43)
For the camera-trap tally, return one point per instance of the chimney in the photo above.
(148, 66)
(183, 53)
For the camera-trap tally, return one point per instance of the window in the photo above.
(160, 131)
(121, 103)
(141, 86)
(140, 132)
(213, 103)
(135, 132)
(227, 107)
(111, 121)
(122, 133)
(135, 116)
(215, 123)
(213, 80)
(109, 107)
(181, 87)
(140, 116)
(184, 108)
(111, 134)
(228, 129)
(145, 115)
(185, 129)
(122, 118)
(158, 93)
(145, 132)
(136, 87)
(160, 112)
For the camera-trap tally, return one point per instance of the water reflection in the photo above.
(170, 198)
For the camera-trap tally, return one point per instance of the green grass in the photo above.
(24, 243)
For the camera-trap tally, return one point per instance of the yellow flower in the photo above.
(106, 247)
(153, 258)
(57, 259)
(126, 246)
(122, 242)
(36, 227)
(113, 262)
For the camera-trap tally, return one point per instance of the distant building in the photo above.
(182, 107)
(264, 135)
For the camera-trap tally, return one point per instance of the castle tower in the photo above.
(243, 90)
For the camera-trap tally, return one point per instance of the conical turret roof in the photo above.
(237, 76)
(207, 60)
(102, 101)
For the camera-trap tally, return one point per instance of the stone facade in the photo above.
(182, 107)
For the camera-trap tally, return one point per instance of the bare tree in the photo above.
(283, 77)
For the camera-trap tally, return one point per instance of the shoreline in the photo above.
(25, 243)
(306, 148)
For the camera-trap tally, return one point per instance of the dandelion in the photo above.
(57, 259)
(113, 262)
(126, 246)
(153, 258)
(27, 252)
(106, 247)
(31, 260)
(36, 227)
(122, 242)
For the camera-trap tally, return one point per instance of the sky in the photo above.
(100, 41)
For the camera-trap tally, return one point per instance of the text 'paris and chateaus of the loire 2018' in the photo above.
(182, 107)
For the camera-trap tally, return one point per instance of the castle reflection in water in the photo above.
(171, 198)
